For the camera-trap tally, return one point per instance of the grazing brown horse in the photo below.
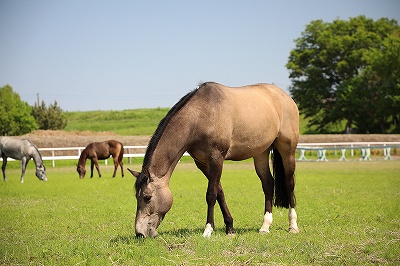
(101, 151)
(215, 123)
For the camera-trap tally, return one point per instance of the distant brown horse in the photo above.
(215, 123)
(101, 151)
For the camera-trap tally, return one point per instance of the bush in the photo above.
(15, 115)
(51, 117)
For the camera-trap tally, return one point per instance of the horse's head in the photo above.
(153, 201)
(81, 170)
(41, 172)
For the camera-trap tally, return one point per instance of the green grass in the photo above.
(139, 122)
(126, 122)
(347, 214)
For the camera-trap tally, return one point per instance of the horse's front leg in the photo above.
(214, 177)
(228, 220)
(91, 168)
(96, 163)
(24, 163)
(3, 168)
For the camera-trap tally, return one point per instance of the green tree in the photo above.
(348, 71)
(15, 115)
(51, 117)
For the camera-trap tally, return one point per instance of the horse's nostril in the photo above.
(139, 235)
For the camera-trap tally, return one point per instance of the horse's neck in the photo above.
(36, 157)
(167, 154)
(82, 158)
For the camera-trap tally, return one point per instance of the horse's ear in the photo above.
(134, 173)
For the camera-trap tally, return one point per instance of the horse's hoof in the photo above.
(264, 231)
(294, 230)
(231, 235)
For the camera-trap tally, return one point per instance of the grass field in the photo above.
(348, 215)
(125, 122)
(133, 122)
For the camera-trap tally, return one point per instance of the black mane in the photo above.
(162, 125)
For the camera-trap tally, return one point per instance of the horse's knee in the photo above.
(211, 198)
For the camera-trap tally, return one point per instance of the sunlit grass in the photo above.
(125, 122)
(348, 215)
(129, 122)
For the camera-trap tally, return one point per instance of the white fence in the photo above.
(54, 154)
(364, 147)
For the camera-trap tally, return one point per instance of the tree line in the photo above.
(18, 117)
(348, 71)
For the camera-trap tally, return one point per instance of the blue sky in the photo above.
(115, 55)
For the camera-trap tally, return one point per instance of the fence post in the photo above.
(343, 157)
(129, 158)
(302, 155)
(387, 151)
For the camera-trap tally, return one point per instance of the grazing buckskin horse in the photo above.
(101, 151)
(215, 123)
(23, 150)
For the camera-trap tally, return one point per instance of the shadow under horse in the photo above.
(101, 151)
(23, 150)
(215, 123)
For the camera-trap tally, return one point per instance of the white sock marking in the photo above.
(207, 231)
(267, 223)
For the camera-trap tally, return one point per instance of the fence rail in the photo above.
(73, 153)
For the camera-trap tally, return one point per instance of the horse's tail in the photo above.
(121, 153)
(281, 196)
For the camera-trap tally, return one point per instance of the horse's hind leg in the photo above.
(287, 153)
(292, 216)
(115, 166)
(261, 163)
(121, 164)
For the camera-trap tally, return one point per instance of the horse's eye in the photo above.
(147, 198)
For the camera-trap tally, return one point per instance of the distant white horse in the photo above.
(23, 150)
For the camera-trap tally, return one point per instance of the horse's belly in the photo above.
(243, 151)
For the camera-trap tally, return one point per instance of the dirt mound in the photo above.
(46, 133)
(59, 138)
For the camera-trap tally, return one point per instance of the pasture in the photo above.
(347, 214)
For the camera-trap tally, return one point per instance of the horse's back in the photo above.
(247, 119)
(254, 106)
(16, 148)
(103, 150)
